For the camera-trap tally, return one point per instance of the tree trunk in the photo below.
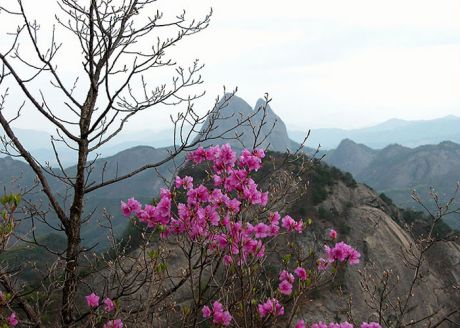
(73, 239)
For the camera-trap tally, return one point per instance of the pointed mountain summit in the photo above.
(351, 156)
(261, 121)
(278, 138)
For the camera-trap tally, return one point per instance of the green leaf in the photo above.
(153, 254)
(161, 267)
(286, 258)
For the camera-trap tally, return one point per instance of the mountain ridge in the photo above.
(397, 170)
(405, 132)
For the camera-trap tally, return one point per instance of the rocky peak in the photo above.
(234, 112)
(351, 157)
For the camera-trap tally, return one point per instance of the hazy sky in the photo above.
(325, 63)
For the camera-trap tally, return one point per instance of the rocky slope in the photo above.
(372, 228)
(397, 170)
(363, 219)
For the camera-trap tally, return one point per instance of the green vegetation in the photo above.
(421, 223)
(28, 257)
(323, 176)
(386, 199)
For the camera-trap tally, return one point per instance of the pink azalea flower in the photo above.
(133, 204)
(259, 152)
(206, 311)
(228, 260)
(217, 306)
(285, 275)
(298, 226)
(271, 306)
(222, 318)
(301, 273)
(197, 156)
(233, 205)
(288, 223)
(274, 218)
(341, 252)
(260, 250)
(186, 182)
(221, 240)
(274, 230)
(12, 320)
(285, 287)
(125, 209)
(92, 300)
(261, 230)
(353, 257)
(332, 234)
(217, 179)
(263, 198)
(109, 305)
(300, 324)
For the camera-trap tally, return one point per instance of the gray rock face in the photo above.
(382, 243)
(249, 131)
(397, 170)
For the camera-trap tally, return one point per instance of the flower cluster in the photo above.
(301, 324)
(210, 216)
(287, 280)
(271, 307)
(220, 317)
(150, 215)
(342, 252)
(93, 302)
(11, 319)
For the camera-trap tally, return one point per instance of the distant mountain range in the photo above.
(39, 144)
(18, 176)
(405, 133)
(396, 170)
(394, 131)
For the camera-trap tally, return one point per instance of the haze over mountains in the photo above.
(394, 131)
(394, 170)
(397, 171)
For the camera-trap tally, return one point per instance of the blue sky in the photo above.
(330, 63)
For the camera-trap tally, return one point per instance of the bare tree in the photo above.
(109, 33)
(392, 303)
